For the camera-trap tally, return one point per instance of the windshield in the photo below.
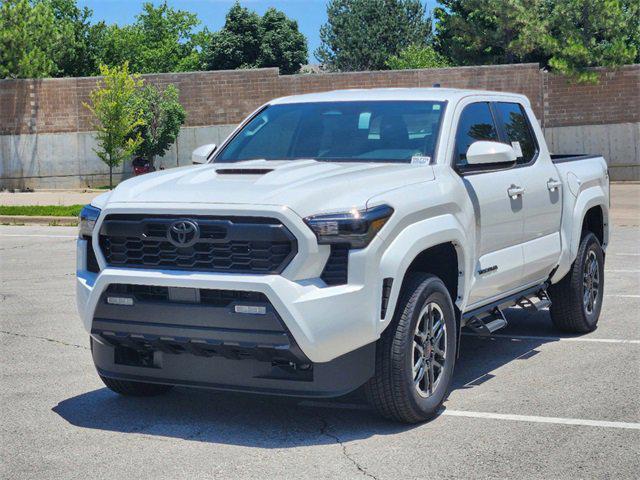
(383, 131)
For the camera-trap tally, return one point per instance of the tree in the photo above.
(568, 36)
(116, 116)
(415, 56)
(250, 41)
(363, 34)
(591, 33)
(77, 55)
(237, 44)
(29, 40)
(282, 44)
(476, 32)
(162, 115)
(161, 39)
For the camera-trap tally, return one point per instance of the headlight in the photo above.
(88, 217)
(357, 227)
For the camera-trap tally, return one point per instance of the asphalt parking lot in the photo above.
(527, 403)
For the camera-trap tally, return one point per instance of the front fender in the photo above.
(412, 241)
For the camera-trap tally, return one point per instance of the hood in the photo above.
(306, 186)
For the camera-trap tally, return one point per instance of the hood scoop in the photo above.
(243, 171)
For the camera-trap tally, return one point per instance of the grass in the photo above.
(41, 210)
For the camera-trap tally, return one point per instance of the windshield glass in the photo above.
(382, 131)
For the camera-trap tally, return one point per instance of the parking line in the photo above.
(35, 235)
(538, 419)
(554, 339)
(622, 271)
(619, 295)
(490, 416)
(627, 254)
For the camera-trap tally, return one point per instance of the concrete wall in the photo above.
(619, 143)
(68, 160)
(46, 139)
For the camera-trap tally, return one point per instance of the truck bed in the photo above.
(571, 157)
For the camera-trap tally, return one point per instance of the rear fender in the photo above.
(589, 195)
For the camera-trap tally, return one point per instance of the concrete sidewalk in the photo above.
(49, 197)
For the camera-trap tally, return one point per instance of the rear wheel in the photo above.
(416, 354)
(135, 389)
(577, 298)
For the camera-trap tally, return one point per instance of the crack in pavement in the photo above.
(324, 430)
(52, 340)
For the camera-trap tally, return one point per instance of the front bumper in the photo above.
(331, 328)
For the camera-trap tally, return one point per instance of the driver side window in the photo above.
(476, 123)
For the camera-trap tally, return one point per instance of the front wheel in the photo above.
(577, 298)
(416, 354)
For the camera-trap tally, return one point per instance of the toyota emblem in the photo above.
(183, 233)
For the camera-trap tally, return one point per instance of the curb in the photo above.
(38, 220)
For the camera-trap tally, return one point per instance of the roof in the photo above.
(362, 94)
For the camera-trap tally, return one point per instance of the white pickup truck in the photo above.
(338, 240)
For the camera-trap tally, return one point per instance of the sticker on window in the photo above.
(420, 160)
(517, 148)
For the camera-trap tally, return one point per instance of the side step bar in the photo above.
(486, 325)
(489, 318)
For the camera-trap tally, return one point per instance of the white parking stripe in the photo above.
(628, 254)
(622, 271)
(618, 295)
(538, 419)
(35, 235)
(491, 416)
(554, 339)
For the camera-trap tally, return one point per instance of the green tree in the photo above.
(591, 33)
(29, 40)
(116, 116)
(161, 39)
(282, 45)
(77, 55)
(363, 34)
(569, 36)
(237, 44)
(476, 32)
(250, 41)
(415, 56)
(162, 115)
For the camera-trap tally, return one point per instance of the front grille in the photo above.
(224, 244)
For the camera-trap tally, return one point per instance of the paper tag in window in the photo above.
(517, 148)
(420, 160)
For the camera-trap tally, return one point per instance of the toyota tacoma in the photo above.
(341, 240)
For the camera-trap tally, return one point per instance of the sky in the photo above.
(310, 14)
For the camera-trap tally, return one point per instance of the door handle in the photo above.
(515, 191)
(553, 184)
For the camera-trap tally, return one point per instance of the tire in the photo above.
(392, 391)
(570, 312)
(135, 389)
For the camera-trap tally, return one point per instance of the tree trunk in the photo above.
(110, 177)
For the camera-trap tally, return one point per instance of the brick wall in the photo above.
(226, 97)
(614, 99)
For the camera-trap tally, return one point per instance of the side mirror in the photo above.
(482, 153)
(203, 153)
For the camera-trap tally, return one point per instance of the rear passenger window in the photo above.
(517, 130)
(476, 123)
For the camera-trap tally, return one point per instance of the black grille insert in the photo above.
(336, 270)
(225, 244)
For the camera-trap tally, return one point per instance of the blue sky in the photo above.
(310, 14)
